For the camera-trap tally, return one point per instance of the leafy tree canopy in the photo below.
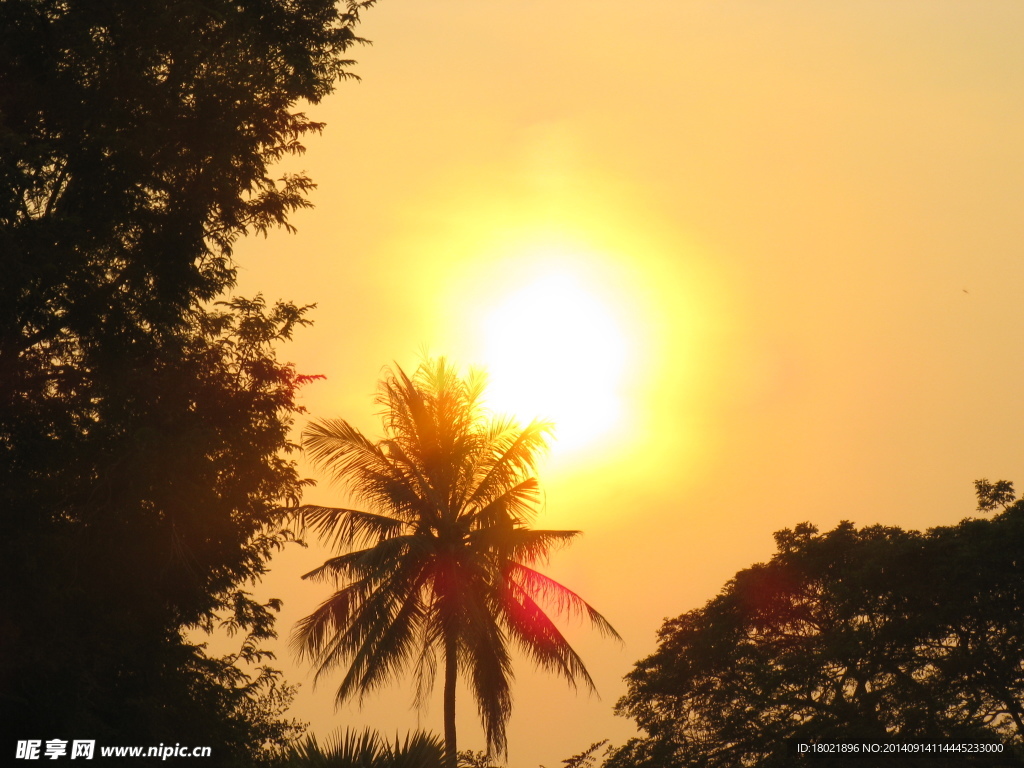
(147, 522)
(868, 634)
(142, 426)
(136, 138)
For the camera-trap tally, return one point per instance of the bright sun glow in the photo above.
(554, 350)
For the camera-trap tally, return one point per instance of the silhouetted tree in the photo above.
(588, 758)
(141, 428)
(468, 758)
(856, 635)
(442, 565)
(154, 516)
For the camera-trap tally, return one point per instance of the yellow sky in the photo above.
(798, 223)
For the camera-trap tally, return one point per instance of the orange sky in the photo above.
(799, 225)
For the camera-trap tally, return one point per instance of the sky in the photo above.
(760, 262)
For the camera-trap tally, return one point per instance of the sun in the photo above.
(554, 350)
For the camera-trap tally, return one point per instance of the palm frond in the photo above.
(430, 502)
(522, 545)
(419, 750)
(366, 749)
(340, 527)
(326, 634)
(380, 642)
(515, 504)
(512, 457)
(484, 653)
(532, 546)
(426, 663)
(372, 563)
(333, 616)
(362, 466)
(350, 749)
(404, 409)
(565, 601)
(538, 637)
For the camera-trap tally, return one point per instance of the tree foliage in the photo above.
(589, 757)
(468, 758)
(442, 566)
(858, 635)
(141, 426)
(148, 521)
(365, 749)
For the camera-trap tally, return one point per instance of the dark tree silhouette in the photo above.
(141, 427)
(365, 749)
(441, 567)
(855, 635)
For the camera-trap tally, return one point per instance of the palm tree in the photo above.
(442, 563)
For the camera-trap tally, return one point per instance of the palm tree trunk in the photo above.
(450, 676)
